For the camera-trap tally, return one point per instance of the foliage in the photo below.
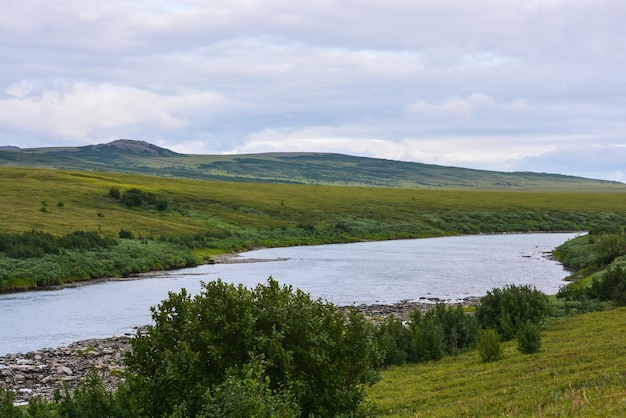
(126, 258)
(246, 392)
(592, 252)
(33, 243)
(506, 310)
(441, 331)
(529, 338)
(394, 341)
(611, 285)
(90, 400)
(489, 345)
(7, 409)
(137, 198)
(311, 350)
(603, 253)
(126, 234)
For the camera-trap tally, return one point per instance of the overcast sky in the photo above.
(536, 85)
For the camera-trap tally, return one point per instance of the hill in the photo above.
(579, 372)
(140, 157)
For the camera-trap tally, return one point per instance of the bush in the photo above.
(507, 309)
(126, 234)
(90, 400)
(611, 285)
(394, 341)
(489, 345)
(529, 338)
(115, 193)
(312, 352)
(441, 331)
(135, 198)
(247, 393)
(7, 409)
(427, 337)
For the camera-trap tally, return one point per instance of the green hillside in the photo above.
(299, 168)
(578, 372)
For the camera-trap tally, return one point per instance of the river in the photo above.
(448, 268)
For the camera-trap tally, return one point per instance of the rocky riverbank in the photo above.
(42, 372)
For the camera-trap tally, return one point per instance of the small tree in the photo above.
(394, 341)
(611, 285)
(489, 345)
(312, 353)
(507, 309)
(529, 338)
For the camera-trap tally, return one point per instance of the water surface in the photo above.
(449, 268)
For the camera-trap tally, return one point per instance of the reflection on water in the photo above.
(448, 268)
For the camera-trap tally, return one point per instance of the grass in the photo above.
(580, 371)
(197, 206)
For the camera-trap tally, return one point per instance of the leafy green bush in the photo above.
(610, 285)
(394, 341)
(246, 392)
(441, 331)
(507, 309)
(312, 352)
(135, 198)
(592, 252)
(489, 345)
(7, 409)
(89, 400)
(529, 338)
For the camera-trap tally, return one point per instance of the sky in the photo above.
(515, 85)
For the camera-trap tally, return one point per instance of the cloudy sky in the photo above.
(536, 85)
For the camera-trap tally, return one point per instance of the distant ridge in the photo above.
(137, 147)
(140, 157)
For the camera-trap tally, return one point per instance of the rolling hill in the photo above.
(139, 157)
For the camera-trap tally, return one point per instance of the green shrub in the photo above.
(312, 352)
(610, 285)
(507, 309)
(529, 338)
(115, 193)
(90, 400)
(441, 331)
(427, 337)
(126, 234)
(394, 341)
(7, 409)
(489, 345)
(246, 392)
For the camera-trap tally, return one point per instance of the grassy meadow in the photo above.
(580, 371)
(79, 201)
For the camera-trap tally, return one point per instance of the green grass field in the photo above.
(366, 213)
(580, 371)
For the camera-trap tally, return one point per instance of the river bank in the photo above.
(44, 371)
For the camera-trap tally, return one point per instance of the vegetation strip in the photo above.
(158, 223)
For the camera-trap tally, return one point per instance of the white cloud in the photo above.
(477, 83)
(78, 110)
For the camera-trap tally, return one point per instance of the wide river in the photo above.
(449, 268)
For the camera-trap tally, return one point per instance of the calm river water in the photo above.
(449, 268)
